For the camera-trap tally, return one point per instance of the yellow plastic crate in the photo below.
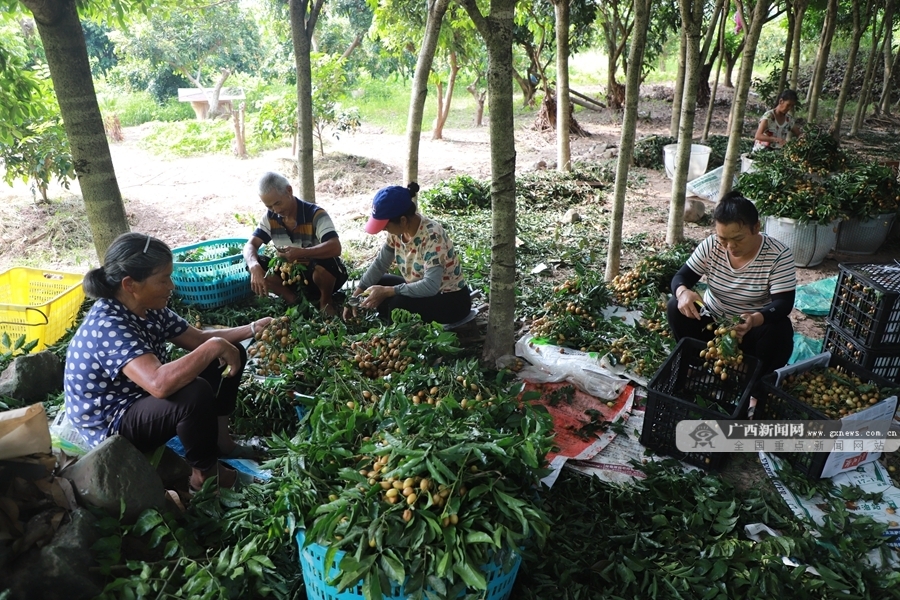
(39, 304)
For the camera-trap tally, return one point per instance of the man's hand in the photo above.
(258, 280)
(687, 302)
(290, 253)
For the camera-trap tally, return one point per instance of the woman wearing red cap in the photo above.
(432, 284)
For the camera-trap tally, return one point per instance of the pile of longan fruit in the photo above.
(273, 344)
(832, 391)
(380, 356)
(722, 354)
(415, 491)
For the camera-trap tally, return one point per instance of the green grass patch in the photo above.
(196, 138)
(385, 104)
(137, 108)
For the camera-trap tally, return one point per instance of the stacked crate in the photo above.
(864, 319)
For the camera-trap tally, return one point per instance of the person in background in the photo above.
(776, 123)
(118, 376)
(301, 232)
(748, 274)
(431, 282)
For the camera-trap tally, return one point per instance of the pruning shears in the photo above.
(704, 312)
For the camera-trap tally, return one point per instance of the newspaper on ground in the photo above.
(614, 464)
(581, 422)
(871, 478)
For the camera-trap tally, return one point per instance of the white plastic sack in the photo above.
(707, 186)
(553, 364)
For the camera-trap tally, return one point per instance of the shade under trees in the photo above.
(63, 38)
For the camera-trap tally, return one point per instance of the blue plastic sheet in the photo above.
(814, 299)
(804, 347)
(243, 466)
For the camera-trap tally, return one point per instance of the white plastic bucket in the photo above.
(697, 165)
(747, 164)
(809, 242)
(864, 237)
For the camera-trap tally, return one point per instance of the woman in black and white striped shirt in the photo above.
(748, 274)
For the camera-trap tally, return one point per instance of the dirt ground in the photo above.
(185, 200)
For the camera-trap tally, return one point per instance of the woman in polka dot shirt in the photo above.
(119, 379)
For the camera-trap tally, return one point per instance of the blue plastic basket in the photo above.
(315, 576)
(219, 280)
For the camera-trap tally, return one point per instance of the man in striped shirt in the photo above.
(748, 274)
(301, 232)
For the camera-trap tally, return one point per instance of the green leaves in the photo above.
(680, 534)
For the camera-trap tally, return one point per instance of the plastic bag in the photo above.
(814, 299)
(804, 347)
(66, 436)
(552, 364)
(707, 186)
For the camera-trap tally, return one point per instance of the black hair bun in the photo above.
(413, 188)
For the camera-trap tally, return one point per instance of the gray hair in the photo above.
(273, 181)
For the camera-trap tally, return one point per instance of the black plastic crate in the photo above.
(775, 404)
(883, 363)
(865, 304)
(671, 396)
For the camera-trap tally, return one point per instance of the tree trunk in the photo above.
(353, 46)
(303, 22)
(444, 100)
(732, 154)
(563, 106)
(211, 111)
(497, 31)
(788, 46)
(884, 102)
(64, 46)
(706, 62)
(613, 99)
(692, 24)
(866, 92)
(711, 30)
(822, 59)
(528, 89)
(479, 97)
(800, 7)
(715, 88)
(436, 11)
(730, 62)
(212, 97)
(679, 85)
(860, 22)
(626, 139)
(240, 148)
